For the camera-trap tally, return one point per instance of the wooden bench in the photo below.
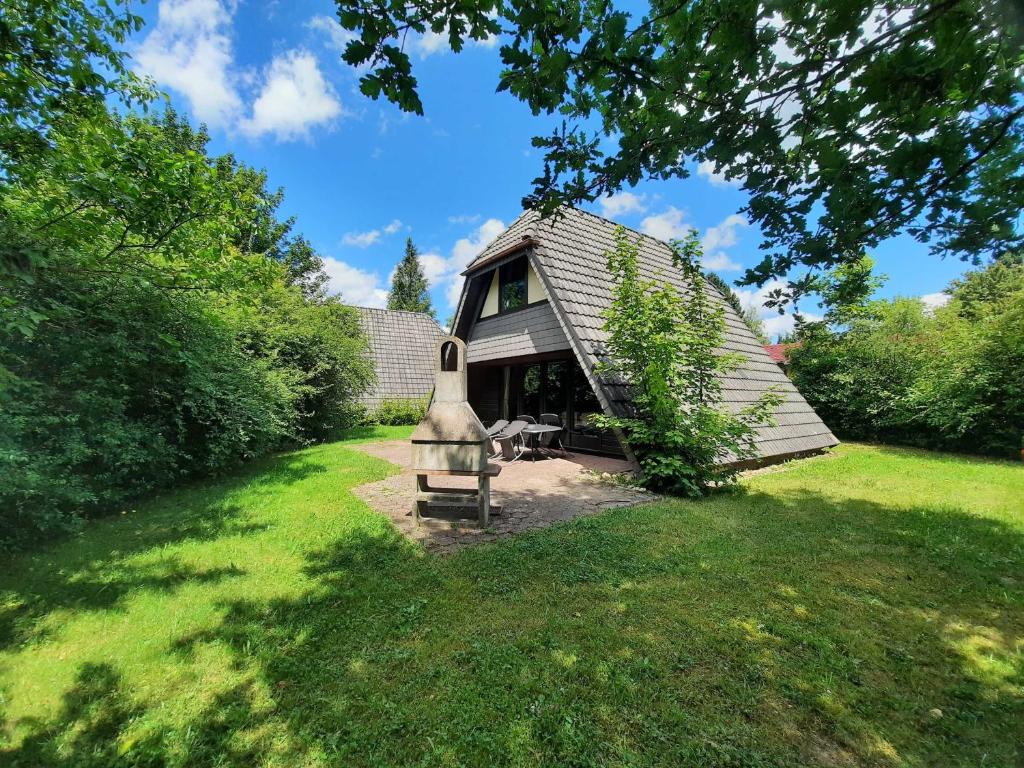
(480, 497)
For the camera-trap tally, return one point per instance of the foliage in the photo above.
(271, 618)
(400, 412)
(156, 322)
(949, 378)
(749, 315)
(409, 284)
(59, 57)
(666, 348)
(846, 122)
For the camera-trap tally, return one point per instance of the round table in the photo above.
(535, 431)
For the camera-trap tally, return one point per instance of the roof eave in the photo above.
(525, 242)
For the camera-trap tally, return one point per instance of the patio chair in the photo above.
(507, 439)
(526, 418)
(496, 427)
(549, 439)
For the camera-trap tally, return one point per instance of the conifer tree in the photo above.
(409, 285)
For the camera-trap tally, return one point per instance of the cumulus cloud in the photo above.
(294, 97)
(774, 323)
(933, 301)
(431, 42)
(719, 262)
(354, 285)
(368, 238)
(667, 225)
(706, 169)
(337, 35)
(723, 235)
(190, 51)
(621, 203)
(444, 271)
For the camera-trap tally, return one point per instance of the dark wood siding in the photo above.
(486, 386)
(531, 331)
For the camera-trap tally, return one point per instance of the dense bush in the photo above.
(399, 412)
(156, 322)
(952, 378)
(667, 348)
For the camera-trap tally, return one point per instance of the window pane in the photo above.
(512, 292)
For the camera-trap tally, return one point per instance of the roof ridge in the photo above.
(385, 309)
(605, 219)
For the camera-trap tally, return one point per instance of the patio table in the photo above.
(535, 431)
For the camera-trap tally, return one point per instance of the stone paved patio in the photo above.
(530, 495)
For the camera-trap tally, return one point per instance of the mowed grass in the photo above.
(858, 610)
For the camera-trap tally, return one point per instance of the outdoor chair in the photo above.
(496, 427)
(527, 419)
(508, 438)
(548, 440)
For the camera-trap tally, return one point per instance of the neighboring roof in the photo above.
(568, 252)
(779, 353)
(402, 345)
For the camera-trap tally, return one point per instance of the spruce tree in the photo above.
(409, 285)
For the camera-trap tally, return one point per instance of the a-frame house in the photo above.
(530, 314)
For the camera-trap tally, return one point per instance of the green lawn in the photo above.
(823, 615)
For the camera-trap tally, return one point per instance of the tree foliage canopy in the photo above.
(947, 378)
(845, 121)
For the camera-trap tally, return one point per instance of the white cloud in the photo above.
(723, 235)
(667, 225)
(445, 272)
(431, 42)
(933, 301)
(706, 168)
(774, 323)
(464, 218)
(190, 51)
(621, 204)
(337, 35)
(354, 285)
(294, 97)
(719, 262)
(368, 238)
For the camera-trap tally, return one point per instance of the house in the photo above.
(530, 313)
(779, 353)
(402, 347)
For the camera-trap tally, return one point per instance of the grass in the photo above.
(860, 610)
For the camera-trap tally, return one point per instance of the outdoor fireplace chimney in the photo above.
(450, 438)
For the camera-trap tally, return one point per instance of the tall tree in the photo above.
(409, 285)
(846, 121)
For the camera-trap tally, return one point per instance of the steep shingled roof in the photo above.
(402, 345)
(569, 256)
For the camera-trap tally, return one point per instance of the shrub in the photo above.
(948, 378)
(666, 349)
(399, 412)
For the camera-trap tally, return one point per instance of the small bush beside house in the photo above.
(666, 348)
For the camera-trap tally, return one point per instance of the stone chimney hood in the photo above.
(450, 437)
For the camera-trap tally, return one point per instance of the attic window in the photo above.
(512, 285)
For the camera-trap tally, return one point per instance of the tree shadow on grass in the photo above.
(748, 630)
(96, 571)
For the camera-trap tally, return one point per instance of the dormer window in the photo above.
(512, 285)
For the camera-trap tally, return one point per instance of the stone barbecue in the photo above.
(451, 440)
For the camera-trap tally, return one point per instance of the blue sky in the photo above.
(360, 176)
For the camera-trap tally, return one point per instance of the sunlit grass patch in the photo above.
(862, 610)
